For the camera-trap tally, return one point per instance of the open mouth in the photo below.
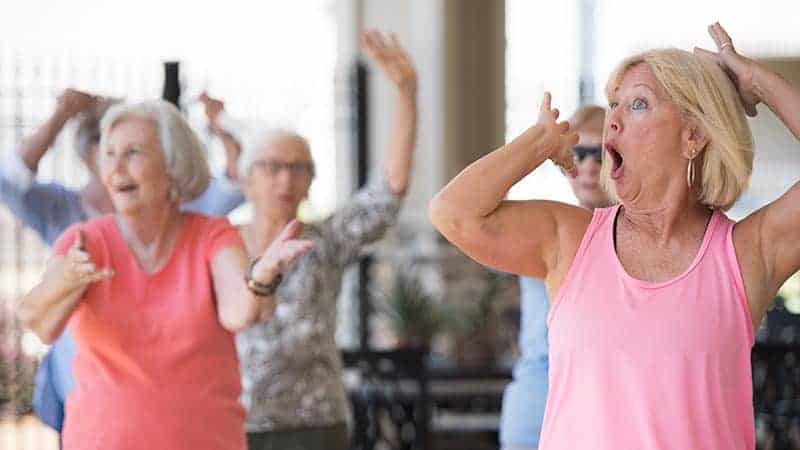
(617, 161)
(125, 188)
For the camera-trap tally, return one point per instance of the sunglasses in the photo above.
(582, 151)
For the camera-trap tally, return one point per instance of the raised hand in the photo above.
(213, 108)
(77, 268)
(560, 138)
(739, 68)
(390, 56)
(283, 251)
(72, 102)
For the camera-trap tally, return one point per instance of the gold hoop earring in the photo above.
(690, 174)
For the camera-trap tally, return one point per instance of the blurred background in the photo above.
(483, 66)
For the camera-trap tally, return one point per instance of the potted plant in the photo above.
(413, 314)
(475, 327)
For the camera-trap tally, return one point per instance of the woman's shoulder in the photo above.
(209, 233)
(204, 223)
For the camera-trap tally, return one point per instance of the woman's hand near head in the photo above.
(755, 82)
(72, 102)
(766, 241)
(535, 237)
(740, 69)
(214, 108)
(559, 138)
(69, 104)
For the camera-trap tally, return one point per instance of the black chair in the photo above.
(391, 403)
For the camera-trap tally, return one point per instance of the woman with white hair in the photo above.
(653, 301)
(153, 296)
(291, 366)
(50, 208)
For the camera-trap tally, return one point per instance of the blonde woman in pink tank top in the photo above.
(654, 301)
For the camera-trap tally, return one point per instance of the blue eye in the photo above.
(613, 105)
(638, 104)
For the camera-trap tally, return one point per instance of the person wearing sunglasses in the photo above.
(654, 301)
(524, 398)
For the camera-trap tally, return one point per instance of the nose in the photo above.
(118, 165)
(613, 122)
(589, 166)
(284, 177)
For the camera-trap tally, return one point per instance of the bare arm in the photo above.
(213, 108)
(48, 306)
(237, 306)
(397, 65)
(518, 237)
(768, 241)
(70, 103)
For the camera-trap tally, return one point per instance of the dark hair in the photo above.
(87, 130)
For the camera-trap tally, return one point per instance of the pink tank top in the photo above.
(650, 366)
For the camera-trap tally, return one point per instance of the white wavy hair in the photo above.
(183, 152)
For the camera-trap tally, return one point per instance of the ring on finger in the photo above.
(725, 44)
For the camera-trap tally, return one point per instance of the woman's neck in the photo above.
(151, 233)
(264, 228)
(663, 223)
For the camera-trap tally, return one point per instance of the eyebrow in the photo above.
(646, 86)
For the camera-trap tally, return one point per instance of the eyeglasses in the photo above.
(582, 151)
(273, 167)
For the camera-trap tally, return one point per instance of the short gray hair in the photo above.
(183, 151)
(257, 139)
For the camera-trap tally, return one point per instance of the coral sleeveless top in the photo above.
(650, 366)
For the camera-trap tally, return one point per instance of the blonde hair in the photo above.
(707, 97)
(183, 152)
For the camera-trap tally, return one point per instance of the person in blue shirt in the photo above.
(525, 397)
(50, 208)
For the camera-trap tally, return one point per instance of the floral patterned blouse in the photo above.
(291, 367)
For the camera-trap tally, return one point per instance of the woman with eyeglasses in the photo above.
(653, 302)
(153, 295)
(291, 367)
(524, 398)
